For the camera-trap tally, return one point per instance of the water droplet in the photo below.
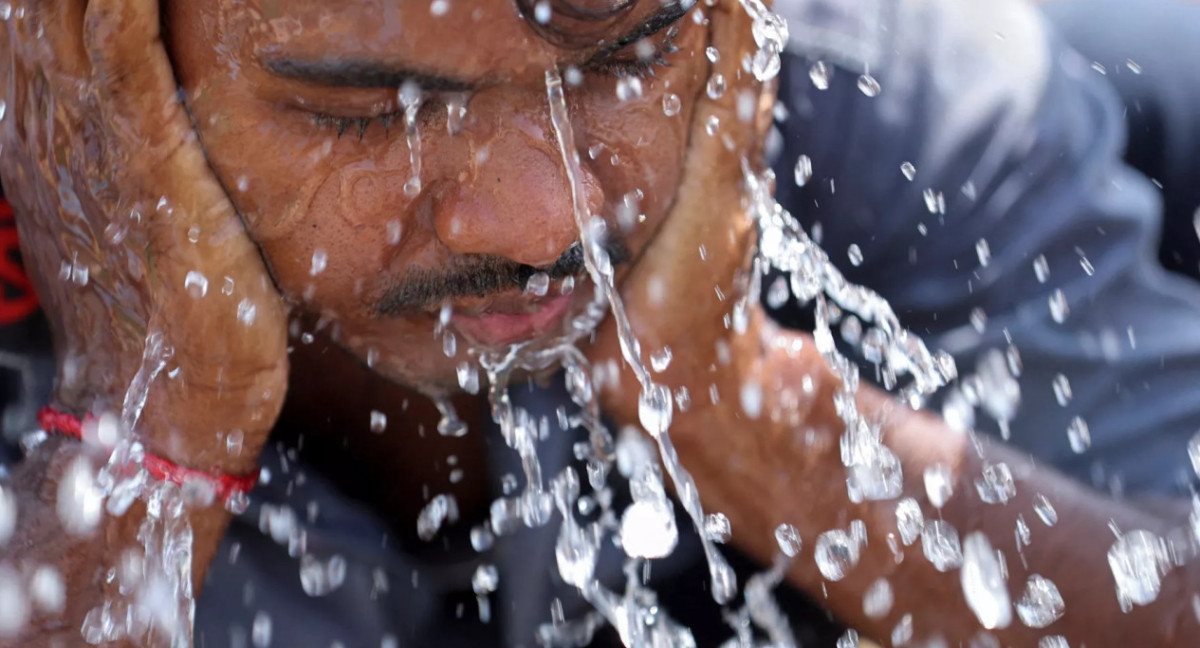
(319, 260)
(909, 171)
(716, 86)
(868, 85)
(648, 529)
(788, 539)
(996, 485)
(1078, 435)
(442, 508)
(8, 514)
(1041, 268)
(538, 284)
(393, 230)
(765, 64)
(542, 12)
(660, 360)
(751, 396)
(234, 442)
(629, 88)
(939, 485)
(468, 377)
(378, 421)
(575, 554)
(5, 10)
(778, 293)
(909, 520)
(855, 254)
(978, 319)
(439, 8)
(836, 552)
(1133, 67)
(1053, 641)
(449, 344)
(196, 284)
(47, 590)
(803, 172)
(654, 409)
(903, 632)
(14, 607)
(939, 542)
(3, 109)
(1041, 604)
(260, 630)
(1193, 450)
(80, 498)
(485, 580)
(1058, 306)
(819, 75)
(878, 599)
(716, 527)
(481, 538)
(671, 104)
(246, 312)
(1062, 390)
(1087, 266)
(1045, 510)
(983, 583)
(712, 124)
(849, 639)
(318, 578)
(984, 252)
(935, 201)
(1138, 561)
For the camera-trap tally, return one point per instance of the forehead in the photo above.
(481, 36)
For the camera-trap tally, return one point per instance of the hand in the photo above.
(681, 291)
(771, 385)
(151, 285)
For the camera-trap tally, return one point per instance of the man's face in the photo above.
(300, 106)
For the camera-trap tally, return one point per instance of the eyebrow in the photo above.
(370, 73)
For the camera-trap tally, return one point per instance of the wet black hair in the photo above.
(575, 24)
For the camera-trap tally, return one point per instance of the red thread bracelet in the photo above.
(224, 486)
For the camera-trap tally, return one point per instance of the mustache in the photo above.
(425, 290)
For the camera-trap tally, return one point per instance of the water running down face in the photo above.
(374, 210)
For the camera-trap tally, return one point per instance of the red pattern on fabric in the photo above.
(17, 297)
(224, 486)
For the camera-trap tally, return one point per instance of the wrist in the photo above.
(132, 467)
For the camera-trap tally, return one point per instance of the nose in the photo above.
(516, 202)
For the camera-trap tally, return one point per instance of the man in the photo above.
(294, 167)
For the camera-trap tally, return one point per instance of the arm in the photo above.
(110, 190)
(767, 474)
(82, 561)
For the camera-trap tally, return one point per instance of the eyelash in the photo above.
(639, 67)
(343, 124)
(642, 68)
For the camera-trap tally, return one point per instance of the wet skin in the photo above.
(296, 104)
(297, 107)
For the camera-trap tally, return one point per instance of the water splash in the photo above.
(656, 401)
(409, 98)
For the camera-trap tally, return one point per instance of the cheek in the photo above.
(321, 218)
(637, 151)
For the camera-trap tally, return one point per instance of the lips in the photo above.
(512, 318)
